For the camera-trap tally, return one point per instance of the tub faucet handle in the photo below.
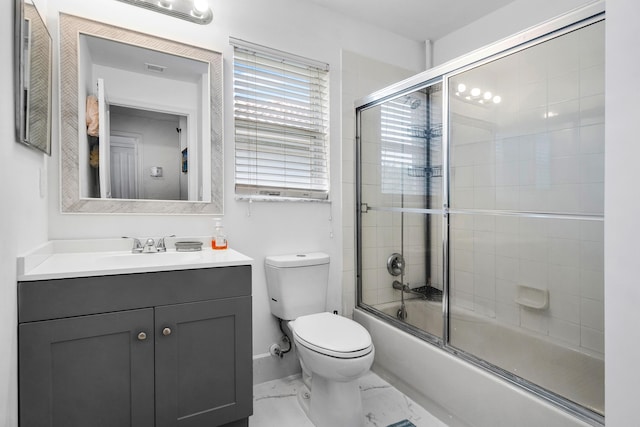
(395, 264)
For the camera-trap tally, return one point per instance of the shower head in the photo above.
(412, 102)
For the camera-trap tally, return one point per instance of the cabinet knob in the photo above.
(142, 336)
(166, 331)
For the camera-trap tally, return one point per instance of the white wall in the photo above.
(23, 217)
(256, 229)
(158, 146)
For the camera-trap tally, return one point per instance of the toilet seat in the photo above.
(332, 335)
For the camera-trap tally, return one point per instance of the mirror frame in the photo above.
(41, 111)
(70, 29)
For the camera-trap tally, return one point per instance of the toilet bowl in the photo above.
(335, 352)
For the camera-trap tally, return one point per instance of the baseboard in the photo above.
(267, 367)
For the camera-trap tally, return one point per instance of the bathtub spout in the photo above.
(405, 288)
(426, 292)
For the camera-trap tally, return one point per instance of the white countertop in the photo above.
(58, 259)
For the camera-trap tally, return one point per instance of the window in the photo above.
(281, 111)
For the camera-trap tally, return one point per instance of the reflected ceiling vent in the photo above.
(155, 68)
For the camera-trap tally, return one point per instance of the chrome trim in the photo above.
(445, 207)
(357, 211)
(407, 210)
(402, 325)
(528, 214)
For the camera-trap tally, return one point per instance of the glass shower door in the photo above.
(526, 214)
(401, 187)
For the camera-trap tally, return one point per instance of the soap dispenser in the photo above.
(219, 239)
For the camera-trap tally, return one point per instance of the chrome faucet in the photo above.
(150, 246)
(137, 246)
(160, 246)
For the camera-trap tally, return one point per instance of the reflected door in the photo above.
(104, 143)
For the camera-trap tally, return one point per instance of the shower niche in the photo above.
(486, 175)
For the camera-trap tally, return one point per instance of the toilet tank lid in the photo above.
(297, 260)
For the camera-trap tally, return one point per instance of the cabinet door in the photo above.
(203, 363)
(87, 371)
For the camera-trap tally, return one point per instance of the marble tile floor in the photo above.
(275, 405)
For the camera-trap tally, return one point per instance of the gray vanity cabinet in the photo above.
(87, 371)
(190, 338)
(165, 349)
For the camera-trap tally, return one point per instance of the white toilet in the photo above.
(334, 351)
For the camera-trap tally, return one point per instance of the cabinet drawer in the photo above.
(54, 299)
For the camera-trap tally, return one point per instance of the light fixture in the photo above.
(197, 11)
(462, 87)
(475, 91)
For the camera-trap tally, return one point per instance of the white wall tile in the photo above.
(534, 321)
(592, 139)
(592, 81)
(592, 314)
(592, 339)
(564, 307)
(564, 331)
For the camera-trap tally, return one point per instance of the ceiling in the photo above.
(415, 19)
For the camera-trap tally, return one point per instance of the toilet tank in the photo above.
(297, 284)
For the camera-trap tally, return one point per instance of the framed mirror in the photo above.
(32, 77)
(141, 122)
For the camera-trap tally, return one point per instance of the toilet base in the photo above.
(332, 403)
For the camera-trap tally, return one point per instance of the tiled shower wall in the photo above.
(541, 149)
(395, 175)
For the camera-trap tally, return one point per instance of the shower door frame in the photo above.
(548, 30)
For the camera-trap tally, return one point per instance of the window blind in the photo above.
(281, 112)
(403, 148)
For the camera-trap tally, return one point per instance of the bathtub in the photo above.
(462, 394)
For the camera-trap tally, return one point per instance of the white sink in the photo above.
(66, 259)
(129, 259)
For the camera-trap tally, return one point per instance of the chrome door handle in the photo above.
(166, 331)
(142, 336)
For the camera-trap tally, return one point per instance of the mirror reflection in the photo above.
(145, 118)
(33, 97)
(141, 122)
